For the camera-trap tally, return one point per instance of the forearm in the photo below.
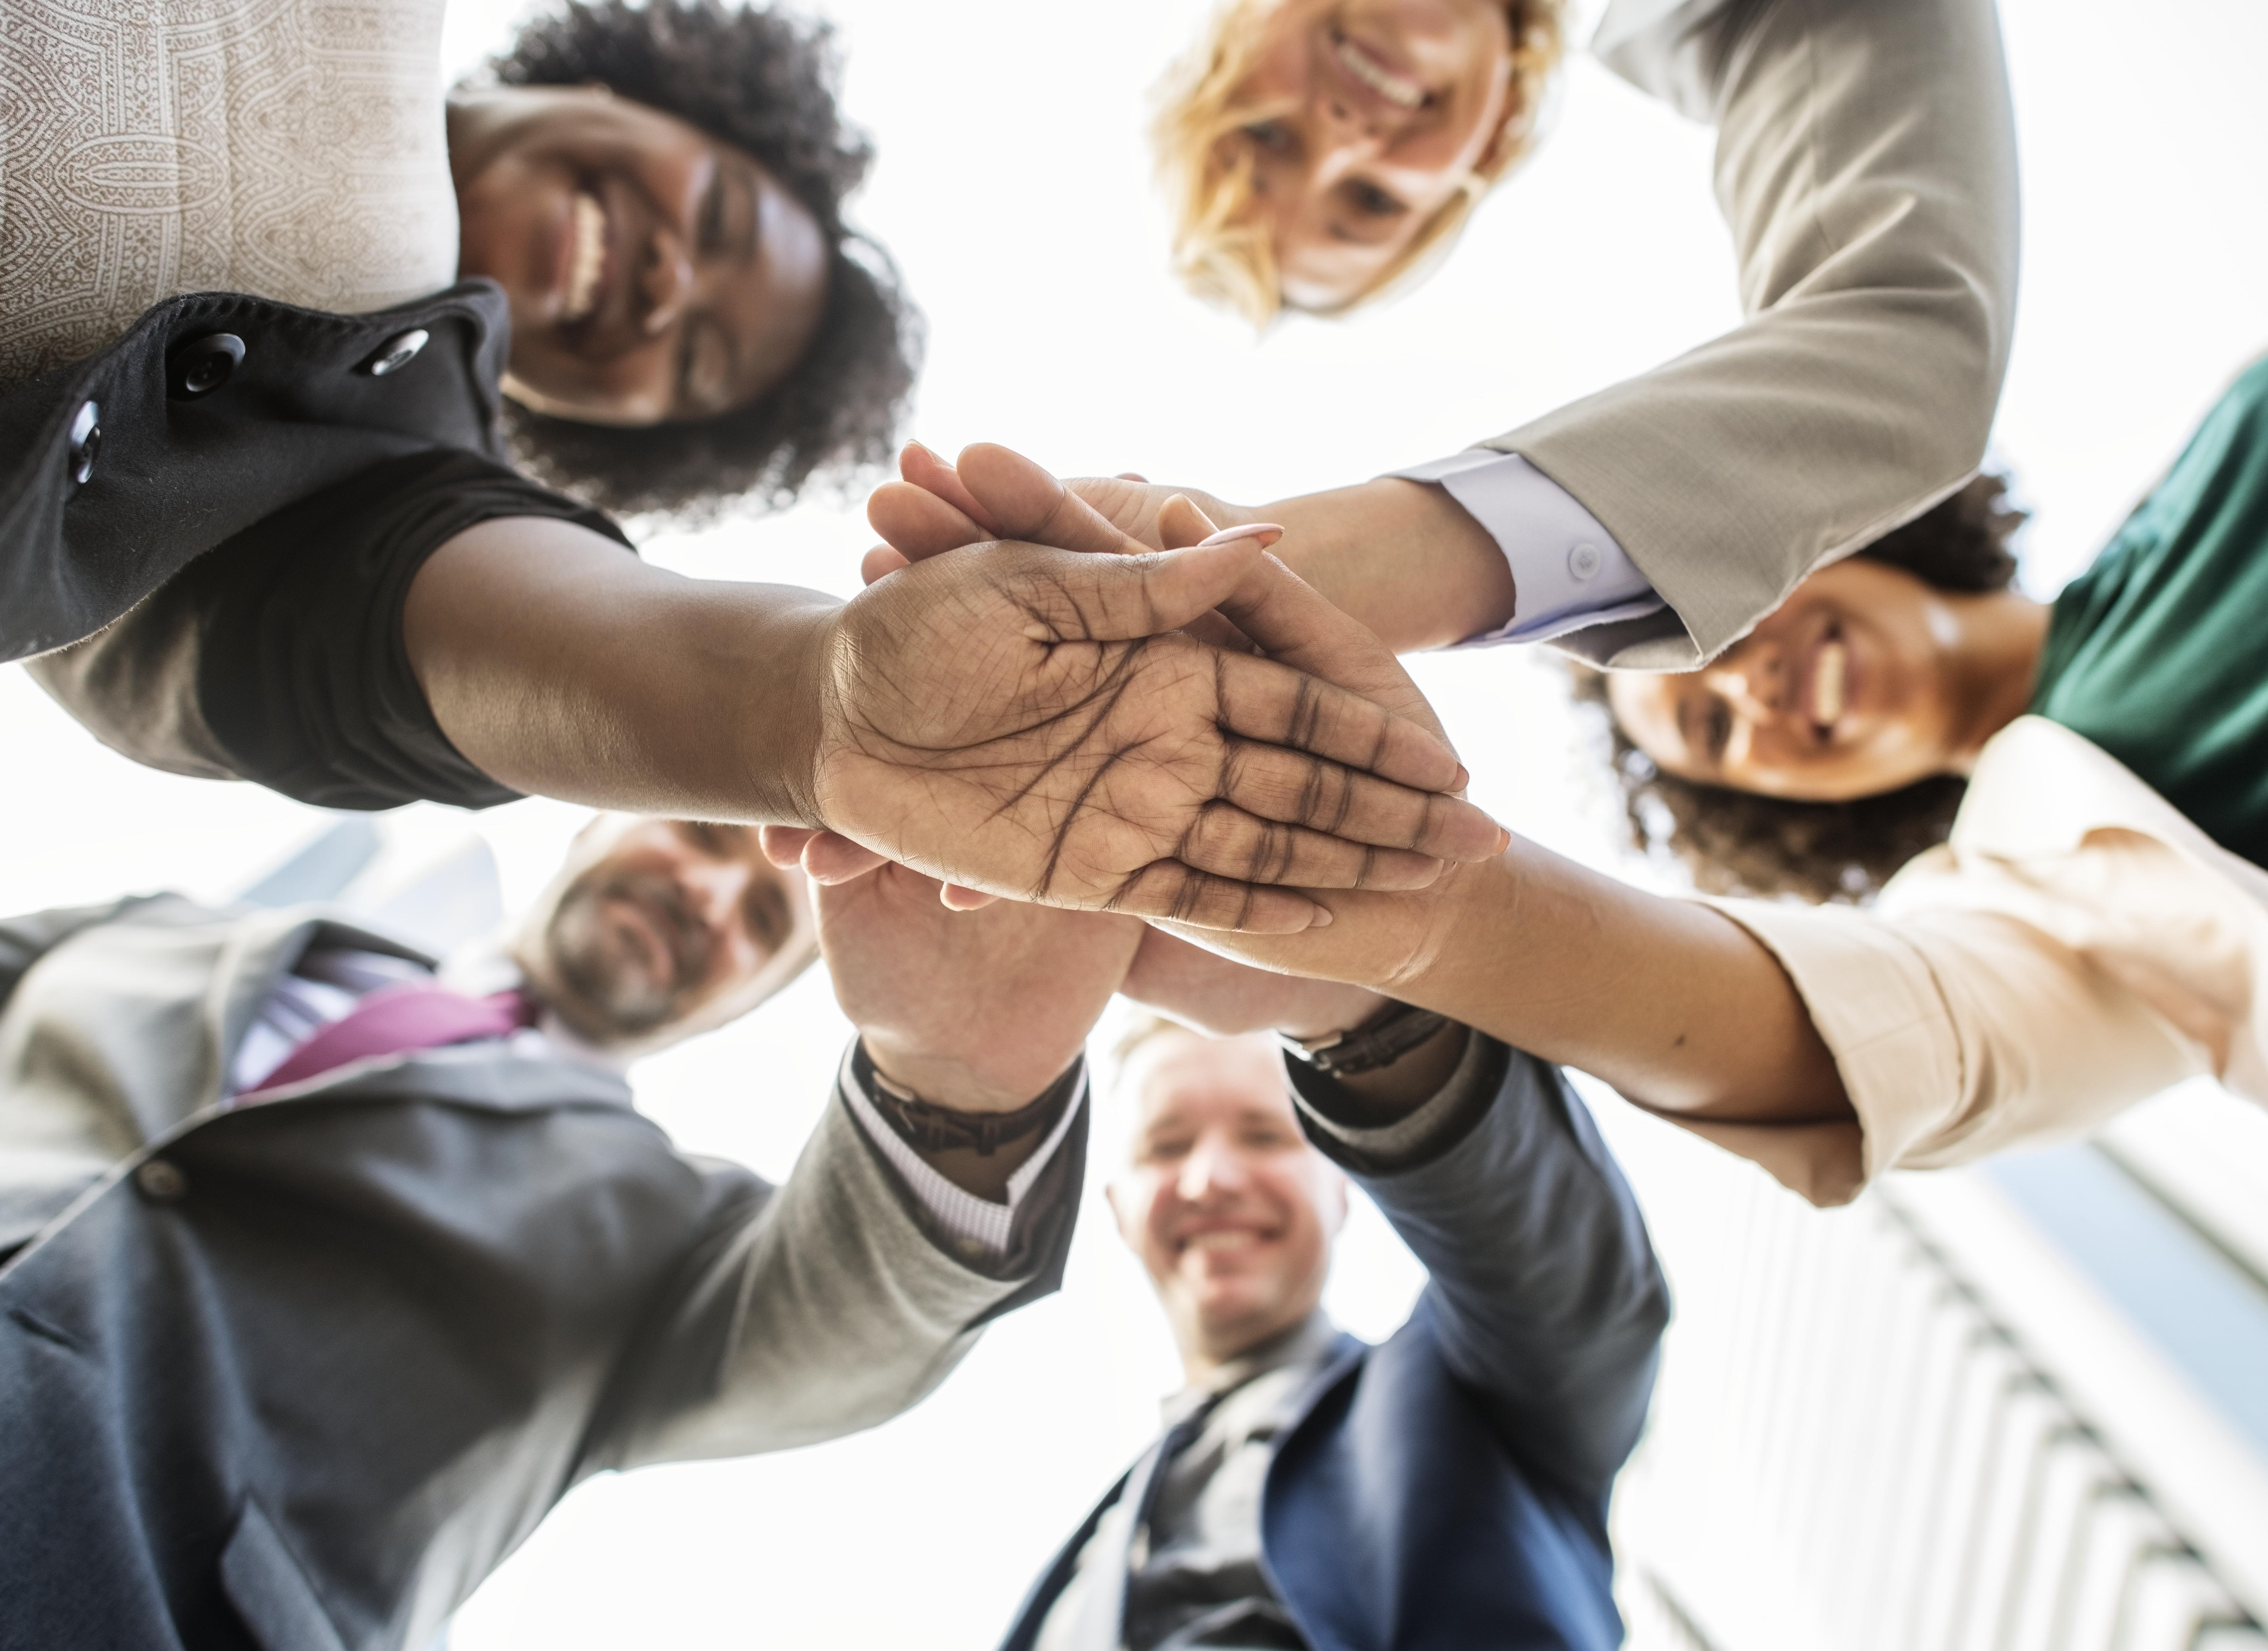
(1403, 557)
(1676, 1005)
(1545, 1293)
(559, 664)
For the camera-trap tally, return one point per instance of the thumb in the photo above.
(1180, 524)
(1068, 596)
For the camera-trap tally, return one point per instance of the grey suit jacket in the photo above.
(1867, 165)
(298, 1375)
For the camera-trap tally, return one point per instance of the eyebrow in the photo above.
(754, 239)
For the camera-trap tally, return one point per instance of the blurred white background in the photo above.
(1014, 189)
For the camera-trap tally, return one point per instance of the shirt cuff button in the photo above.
(1583, 560)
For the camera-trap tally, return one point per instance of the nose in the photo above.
(1341, 137)
(1213, 1167)
(1753, 681)
(666, 280)
(714, 888)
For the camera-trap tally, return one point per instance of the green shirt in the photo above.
(2158, 651)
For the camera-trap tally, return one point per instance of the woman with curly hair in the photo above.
(1319, 154)
(1760, 841)
(275, 313)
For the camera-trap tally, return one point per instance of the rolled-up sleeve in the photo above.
(278, 657)
(1958, 1030)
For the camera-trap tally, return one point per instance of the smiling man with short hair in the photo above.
(1315, 1492)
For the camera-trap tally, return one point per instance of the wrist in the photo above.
(1328, 1007)
(785, 727)
(963, 1085)
(1403, 557)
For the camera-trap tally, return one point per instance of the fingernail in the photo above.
(1266, 533)
(1464, 778)
(1503, 840)
(1322, 918)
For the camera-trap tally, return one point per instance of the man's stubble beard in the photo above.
(615, 1001)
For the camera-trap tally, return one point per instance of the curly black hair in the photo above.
(1737, 842)
(763, 80)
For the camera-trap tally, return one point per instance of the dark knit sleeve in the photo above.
(301, 675)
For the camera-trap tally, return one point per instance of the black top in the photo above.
(115, 472)
(277, 657)
(265, 483)
(303, 678)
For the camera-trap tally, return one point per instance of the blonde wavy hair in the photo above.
(1221, 250)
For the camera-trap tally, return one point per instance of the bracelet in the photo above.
(933, 1128)
(1380, 1041)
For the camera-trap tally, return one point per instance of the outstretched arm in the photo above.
(938, 1191)
(1545, 1289)
(1023, 721)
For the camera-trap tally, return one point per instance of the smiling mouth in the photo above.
(586, 223)
(1224, 1238)
(1389, 84)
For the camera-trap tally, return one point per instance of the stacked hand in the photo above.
(1011, 707)
(980, 1011)
(995, 494)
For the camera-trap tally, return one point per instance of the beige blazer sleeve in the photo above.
(2077, 947)
(824, 1311)
(1867, 165)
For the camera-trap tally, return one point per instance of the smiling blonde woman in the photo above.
(1239, 111)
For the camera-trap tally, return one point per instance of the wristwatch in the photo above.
(1380, 1041)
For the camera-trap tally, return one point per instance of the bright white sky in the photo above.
(1014, 189)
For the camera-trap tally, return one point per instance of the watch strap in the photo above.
(1380, 1041)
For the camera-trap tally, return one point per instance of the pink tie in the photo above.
(396, 1020)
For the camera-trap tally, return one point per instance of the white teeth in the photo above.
(1826, 683)
(1405, 94)
(588, 226)
(1222, 1241)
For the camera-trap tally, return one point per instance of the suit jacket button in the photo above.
(396, 353)
(161, 1182)
(201, 365)
(85, 440)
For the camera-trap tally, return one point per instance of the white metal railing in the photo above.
(1910, 1427)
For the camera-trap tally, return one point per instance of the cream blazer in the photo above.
(2076, 946)
(1867, 167)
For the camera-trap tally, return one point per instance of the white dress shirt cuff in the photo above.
(977, 1226)
(1569, 571)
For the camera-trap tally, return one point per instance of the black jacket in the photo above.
(241, 491)
(184, 449)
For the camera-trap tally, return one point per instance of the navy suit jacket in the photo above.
(1446, 1491)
